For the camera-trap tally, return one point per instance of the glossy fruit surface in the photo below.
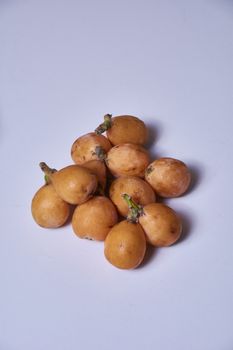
(48, 209)
(169, 177)
(94, 218)
(127, 129)
(74, 184)
(88, 147)
(161, 224)
(127, 159)
(125, 245)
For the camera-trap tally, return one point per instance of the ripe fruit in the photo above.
(88, 147)
(139, 190)
(125, 245)
(127, 159)
(169, 177)
(123, 128)
(74, 184)
(48, 209)
(160, 223)
(115, 165)
(94, 218)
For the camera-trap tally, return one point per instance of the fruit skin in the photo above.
(161, 224)
(127, 159)
(169, 177)
(98, 168)
(125, 245)
(127, 129)
(48, 209)
(94, 218)
(139, 190)
(88, 147)
(74, 184)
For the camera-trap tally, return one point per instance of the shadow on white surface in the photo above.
(154, 133)
(197, 176)
(187, 225)
(151, 253)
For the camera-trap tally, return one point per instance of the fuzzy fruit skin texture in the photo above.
(98, 168)
(139, 190)
(127, 159)
(169, 177)
(84, 148)
(127, 128)
(125, 245)
(48, 209)
(161, 225)
(94, 218)
(74, 184)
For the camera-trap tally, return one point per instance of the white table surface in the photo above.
(63, 65)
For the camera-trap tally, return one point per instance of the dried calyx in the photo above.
(135, 210)
(105, 125)
(100, 153)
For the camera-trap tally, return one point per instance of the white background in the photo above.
(63, 65)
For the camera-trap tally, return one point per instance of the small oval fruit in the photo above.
(161, 224)
(125, 245)
(48, 209)
(124, 129)
(169, 177)
(127, 159)
(139, 190)
(94, 218)
(89, 147)
(74, 184)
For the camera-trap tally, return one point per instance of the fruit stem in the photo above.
(47, 171)
(135, 210)
(105, 125)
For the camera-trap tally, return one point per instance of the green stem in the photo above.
(47, 171)
(105, 125)
(135, 210)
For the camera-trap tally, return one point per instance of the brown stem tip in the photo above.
(46, 169)
(105, 125)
